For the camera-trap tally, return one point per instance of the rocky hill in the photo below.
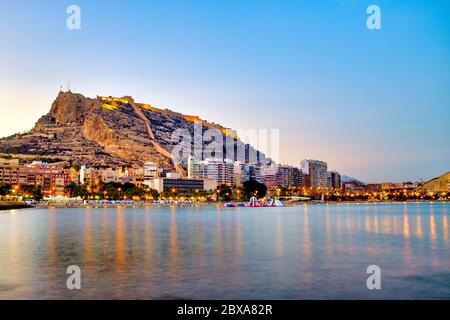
(106, 131)
(439, 184)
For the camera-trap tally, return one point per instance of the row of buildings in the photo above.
(52, 180)
(205, 175)
(311, 174)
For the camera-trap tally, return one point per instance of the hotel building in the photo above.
(317, 171)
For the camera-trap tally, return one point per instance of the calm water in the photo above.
(304, 252)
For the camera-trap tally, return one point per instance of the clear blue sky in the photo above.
(373, 104)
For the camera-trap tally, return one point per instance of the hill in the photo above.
(107, 131)
(439, 184)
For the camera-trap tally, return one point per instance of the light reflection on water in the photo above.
(303, 252)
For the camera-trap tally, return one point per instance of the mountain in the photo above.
(107, 131)
(439, 184)
(345, 178)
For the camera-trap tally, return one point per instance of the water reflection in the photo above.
(148, 236)
(105, 235)
(294, 252)
(445, 227)
(406, 234)
(51, 239)
(88, 253)
(121, 239)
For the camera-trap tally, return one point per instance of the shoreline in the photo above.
(10, 206)
(6, 205)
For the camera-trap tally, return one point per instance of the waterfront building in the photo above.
(173, 175)
(219, 170)
(182, 186)
(373, 187)
(241, 173)
(353, 186)
(150, 171)
(194, 167)
(317, 171)
(333, 180)
(9, 174)
(269, 174)
(51, 180)
(256, 173)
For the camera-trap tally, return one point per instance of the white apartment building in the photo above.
(150, 171)
(317, 171)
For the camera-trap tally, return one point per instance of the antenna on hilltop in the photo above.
(68, 86)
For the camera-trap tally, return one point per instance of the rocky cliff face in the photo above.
(103, 132)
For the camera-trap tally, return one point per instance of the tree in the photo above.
(254, 188)
(225, 193)
(4, 189)
(76, 166)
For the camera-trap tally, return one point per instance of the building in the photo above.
(333, 180)
(269, 175)
(194, 168)
(353, 186)
(9, 162)
(373, 187)
(52, 181)
(150, 171)
(317, 171)
(219, 170)
(9, 174)
(182, 186)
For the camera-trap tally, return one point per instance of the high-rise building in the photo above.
(222, 171)
(194, 167)
(333, 179)
(317, 171)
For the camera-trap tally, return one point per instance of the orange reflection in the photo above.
(105, 234)
(121, 238)
(88, 253)
(406, 236)
(198, 243)
(375, 222)
(51, 238)
(148, 234)
(307, 249)
(445, 226)
(432, 227)
(406, 233)
(433, 238)
(419, 226)
(173, 241)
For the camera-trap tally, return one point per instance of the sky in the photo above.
(374, 104)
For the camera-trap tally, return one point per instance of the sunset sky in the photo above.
(374, 104)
